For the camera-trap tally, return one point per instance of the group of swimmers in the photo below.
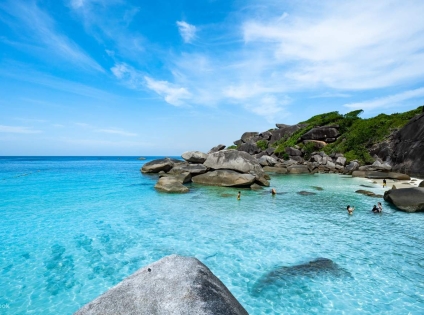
(273, 192)
(376, 209)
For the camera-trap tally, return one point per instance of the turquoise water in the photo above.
(73, 227)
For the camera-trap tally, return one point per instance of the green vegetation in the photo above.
(232, 147)
(262, 144)
(357, 135)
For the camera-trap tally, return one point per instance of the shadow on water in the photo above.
(289, 277)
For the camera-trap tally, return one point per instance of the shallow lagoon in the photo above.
(73, 227)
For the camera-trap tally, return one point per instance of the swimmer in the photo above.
(384, 183)
(375, 209)
(238, 195)
(380, 207)
(273, 192)
(350, 209)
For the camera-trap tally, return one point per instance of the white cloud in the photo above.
(38, 31)
(269, 106)
(187, 31)
(172, 93)
(389, 101)
(18, 129)
(117, 132)
(124, 72)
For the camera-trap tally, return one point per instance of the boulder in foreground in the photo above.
(406, 199)
(173, 285)
(194, 156)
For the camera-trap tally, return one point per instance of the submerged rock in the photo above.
(298, 169)
(305, 193)
(368, 193)
(170, 185)
(406, 199)
(225, 178)
(172, 285)
(286, 275)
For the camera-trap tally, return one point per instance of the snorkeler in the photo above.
(350, 209)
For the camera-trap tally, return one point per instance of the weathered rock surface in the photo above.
(183, 178)
(274, 169)
(249, 147)
(408, 155)
(173, 285)
(284, 131)
(247, 136)
(219, 147)
(194, 156)
(317, 144)
(225, 178)
(298, 169)
(194, 169)
(293, 151)
(321, 133)
(421, 184)
(266, 160)
(170, 185)
(156, 166)
(406, 199)
(234, 160)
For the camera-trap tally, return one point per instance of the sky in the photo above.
(115, 77)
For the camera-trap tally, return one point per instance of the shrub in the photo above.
(262, 144)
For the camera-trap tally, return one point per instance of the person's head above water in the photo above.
(347, 207)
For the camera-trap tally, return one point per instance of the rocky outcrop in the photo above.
(284, 131)
(194, 169)
(248, 136)
(225, 178)
(183, 178)
(408, 155)
(173, 285)
(219, 147)
(267, 161)
(171, 185)
(317, 144)
(298, 169)
(406, 199)
(249, 147)
(156, 166)
(194, 156)
(275, 169)
(421, 184)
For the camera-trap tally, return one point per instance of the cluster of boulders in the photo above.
(260, 144)
(228, 168)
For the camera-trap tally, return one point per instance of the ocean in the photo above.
(73, 227)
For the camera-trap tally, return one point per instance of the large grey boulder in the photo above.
(225, 178)
(408, 155)
(170, 185)
(234, 160)
(194, 156)
(274, 169)
(219, 147)
(266, 135)
(156, 166)
(249, 147)
(341, 161)
(380, 175)
(266, 160)
(194, 169)
(293, 151)
(173, 285)
(406, 199)
(353, 166)
(247, 136)
(321, 133)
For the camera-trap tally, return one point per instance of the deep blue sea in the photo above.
(72, 227)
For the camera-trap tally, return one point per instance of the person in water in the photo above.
(238, 195)
(380, 207)
(384, 183)
(350, 209)
(375, 209)
(273, 192)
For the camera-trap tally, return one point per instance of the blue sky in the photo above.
(112, 77)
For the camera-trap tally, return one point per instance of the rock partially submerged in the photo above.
(170, 185)
(283, 276)
(156, 166)
(368, 193)
(380, 175)
(406, 199)
(172, 285)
